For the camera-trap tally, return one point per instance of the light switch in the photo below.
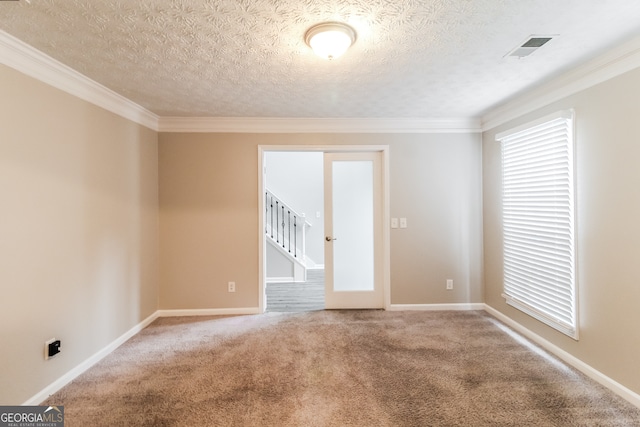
(394, 222)
(403, 222)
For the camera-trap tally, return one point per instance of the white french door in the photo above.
(353, 230)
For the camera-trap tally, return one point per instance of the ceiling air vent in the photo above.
(532, 44)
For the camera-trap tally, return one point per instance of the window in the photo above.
(538, 221)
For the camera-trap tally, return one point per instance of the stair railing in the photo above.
(285, 226)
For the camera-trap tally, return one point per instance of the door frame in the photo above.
(386, 234)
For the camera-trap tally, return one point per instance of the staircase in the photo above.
(285, 230)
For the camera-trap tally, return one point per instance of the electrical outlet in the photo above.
(449, 284)
(232, 286)
(51, 348)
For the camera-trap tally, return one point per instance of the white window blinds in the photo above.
(538, 221)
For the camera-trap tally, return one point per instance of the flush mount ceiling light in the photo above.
(329, 40)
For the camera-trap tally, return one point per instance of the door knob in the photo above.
(328, 239)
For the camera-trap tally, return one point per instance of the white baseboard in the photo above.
(622, 391)
(436, 307)
(279, 279)
(619, 389)
(209, 312)
(82, 367)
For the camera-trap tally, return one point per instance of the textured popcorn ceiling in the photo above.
(247, 58)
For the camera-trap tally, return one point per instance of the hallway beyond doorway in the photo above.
(297, 297)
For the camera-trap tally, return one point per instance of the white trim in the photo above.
(386, 241)
(324, 148)
(562, 114)
(16, 54)
(288, 256)
(280, 280)
(318, 125)
(436, 307)
(592, 373)
(622, 391)
(83, 366)
(386, 230)
(613, 63)
(20, 56)
(209, 312)
(262, 246)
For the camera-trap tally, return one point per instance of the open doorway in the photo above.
(294, 230)
(374, 160)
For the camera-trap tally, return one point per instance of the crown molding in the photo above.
(20, 56)
(317, 125)
(16, 54)
(615, 62)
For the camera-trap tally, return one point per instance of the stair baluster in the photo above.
(283, 233)
(295, 237)
(277, 223)
(286, 222)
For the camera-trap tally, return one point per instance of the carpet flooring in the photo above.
(336, 368)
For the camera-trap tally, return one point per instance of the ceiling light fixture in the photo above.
(329, 40)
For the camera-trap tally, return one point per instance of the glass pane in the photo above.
(353, 226)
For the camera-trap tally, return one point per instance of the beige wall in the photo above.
(608, 227)
(209, 216)
(78, 227)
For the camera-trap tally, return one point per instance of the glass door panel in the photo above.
(353, 230)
